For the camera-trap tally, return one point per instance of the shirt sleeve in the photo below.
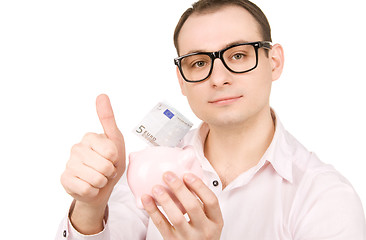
(123, 220)
(330, 210)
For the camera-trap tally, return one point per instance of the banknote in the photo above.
(163, 126)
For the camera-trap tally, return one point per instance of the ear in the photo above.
(277, 61)
(181, 81)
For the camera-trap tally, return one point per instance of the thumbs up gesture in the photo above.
(95, 166)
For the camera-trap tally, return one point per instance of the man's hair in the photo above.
(208, 6)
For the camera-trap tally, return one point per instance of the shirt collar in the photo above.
(280, 150)
(278, 154)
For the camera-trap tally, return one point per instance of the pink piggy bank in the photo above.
(146, 168)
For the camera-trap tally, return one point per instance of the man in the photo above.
(259, 182)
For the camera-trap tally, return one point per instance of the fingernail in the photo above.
(157, 190)
(189, 178)
(170, 177)
(146, 199)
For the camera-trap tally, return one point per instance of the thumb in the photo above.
(106, 118)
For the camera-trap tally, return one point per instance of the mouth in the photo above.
(225, 100)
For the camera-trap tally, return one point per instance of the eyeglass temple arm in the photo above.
(265, 44)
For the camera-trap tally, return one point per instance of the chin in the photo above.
(226, 120)
(226, 123)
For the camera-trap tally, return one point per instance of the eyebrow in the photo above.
(227, 45)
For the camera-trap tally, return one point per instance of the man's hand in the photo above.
(95, 166)
(205, 216)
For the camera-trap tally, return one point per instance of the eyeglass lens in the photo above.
(237, 59)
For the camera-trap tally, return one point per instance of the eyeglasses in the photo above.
(238, 58)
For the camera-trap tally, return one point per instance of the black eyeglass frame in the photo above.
(219, 54)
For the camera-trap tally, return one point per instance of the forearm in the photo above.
(123, 220)
(87, 219)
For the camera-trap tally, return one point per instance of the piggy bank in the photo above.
(146, 169)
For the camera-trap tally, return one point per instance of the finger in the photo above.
(101, 145)
(189, 201)
(78, 188)
(156, 216)
(172, 211)
(106, 118)
(84, 154)
(208, 198)
(91, 176)
(101, 165)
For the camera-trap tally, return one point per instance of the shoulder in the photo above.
(316, 180)
(306, 166)
(325, 204)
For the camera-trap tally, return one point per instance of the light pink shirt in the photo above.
(289, 194)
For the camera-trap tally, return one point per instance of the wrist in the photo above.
(88, 219)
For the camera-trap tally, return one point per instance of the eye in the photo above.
(238, 56)
(199, 64)
(196, 62)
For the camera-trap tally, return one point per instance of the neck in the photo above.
(234, 149)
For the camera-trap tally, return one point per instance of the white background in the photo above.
(57, 56)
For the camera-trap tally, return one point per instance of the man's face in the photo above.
(226, 98)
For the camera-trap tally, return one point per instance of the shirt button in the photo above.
(64, 233)
(215, 183)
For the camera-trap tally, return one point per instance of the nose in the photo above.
(220, 75)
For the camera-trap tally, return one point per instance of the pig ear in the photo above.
(189, 148)
(131, 156)
(189, 151)
(188, 157)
